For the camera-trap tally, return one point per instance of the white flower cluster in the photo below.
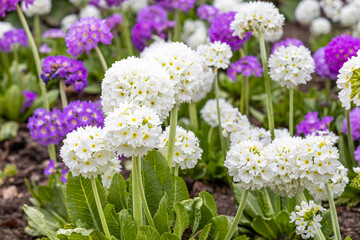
(67, 21)
(228, 5)
(207, 82)
(134, 5)
(4, 27)
(140, 81)
(291, 66)
(209, 111)
(273, 36)
(183, 64)
(195, 33)
(85, 153)
(257, 16)
(306, 11)
(349, 15)
(248, 165)
(39, 7)
(132, 130)
(332, 9)
(307, 217)
(320, 26)
(216, 54)
(187, 151)
(90, 11)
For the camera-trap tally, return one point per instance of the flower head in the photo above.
(30, 97)
(354, 123)
(13, 37)
(39, 7)
(68, 21)
(286, 43)
(141, 81)
(10, 5)
(257, 17)
(184, 5)
(246, 66)
(332, 9)
(321, 68)
(114, 20)
(64, 175)
(114, 3)
(54, 33)
(5, 27)
(209, 111)
(306, 11)
(44, 48)
(187, 151)
(291, 66)
(312, 123)
(357, 155)
(207, 81)
(50, 168)
(86, 34)
(195, 33)
(207, 12)
(320, 26)
(89, 11)
(216, 54)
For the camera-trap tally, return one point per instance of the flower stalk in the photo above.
(172, 135)
(136, 193)
(37, 29)
(291, 112)
(193, 116)
(101, 58)
(334, 218)
(63, 97)
(126, 34)
(217, 96)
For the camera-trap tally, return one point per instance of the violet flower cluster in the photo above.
(286, 43)
(30, 97)
(54, 33)
(10, 5)
(321, 68)
(354, 123)
(150, 20)
(72, 71)
(220, 31)
(114, 20)
(339, 50)
(246, 66)
(312, 123)
(184, 5)
(114, 3)
(53, 168)
(85, 34)
(207, 12)
(51, 126)
(12, 37)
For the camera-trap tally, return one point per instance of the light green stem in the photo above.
(176, 170)
(239, 212)
(209, 140)
(136, 194)
(291, 112)
(126, 34)
(269, 105)
(349, 135)
(217, 96)
(52, 152)
(37, 28)
(243, 93)
(300, 197)
(334, 218)
(102, 59)
(99, 207)
(247, 96)
(193, 116)
(177, 29)
(118, 45)
(319, 233)
(142, 194)
(64, 101)
(172, 135)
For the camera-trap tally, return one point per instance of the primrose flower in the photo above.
(246, 66)
(306, 11)
(39, 7)
(215, 54)
(12, 38)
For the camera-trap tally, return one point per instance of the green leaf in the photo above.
(252, 207)
(127, 226)
(209, 202)
(81, 234)
(162, 218)
(265, 203)
(242, 237)
(169, 236)
(80, 201)
(118, 194)
(180, 190)
(12, 102)
(283, 220)
(147, 233)
(326, 225)
(205, 232)
(112, 220)
(38, 219)
(8, 130)
(348, 238)
(267, 228)
(220, 227)
(193, 207)
(45, 193)
(182, 219)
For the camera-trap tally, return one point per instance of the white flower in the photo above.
(228, 5)
(328, 135)
(195, 33)
(183, 64)
(132, 130)
(85, 153)
(216, 54)
(349, 15)
(337, 185)
(187, 150)
(320, 26)
(67, 21)
(248, 165)
(248, 133)
(90, 11)
(141, 81)
(134, 5)
(257, 16)
(273, 36)
(305, 216)
(356, 170)
(5, 27)
(332, 8)
(306, 11)
(108, 175)
(291, 66)
(347, 82)
(209, 111)
(39, 7)
(206, 85)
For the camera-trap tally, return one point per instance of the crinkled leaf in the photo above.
(147, 233)
(209, 202)
(118, 194)
(112, 220)
(267, 228)
(38, 222)
(182, 219)
(283, 220)
(162, 218)
(127, 226)
(205, 232)
(219, 227)
(169, 236)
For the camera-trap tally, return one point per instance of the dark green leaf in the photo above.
(267, 228)
(205, 232)
(283, 220)
(12, 102)
(118, 194)
(182, 219)
(162, 217)
(127, 226)
(169, 236)
(147, 233)
(209, 202)
(219, 227)
(112, 220)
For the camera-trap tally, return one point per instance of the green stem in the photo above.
(177, 29)
(99, 207)
(52, 152)
(239, 212)
(291, 112)
(217, 95)
(176, 170)
(142, 194)
(269, 105)
(209, 140)
(64, 101)
(172, 135)
(247, 96)
(102, 59)
(37, 28)
(349, 135)
(6, 65)
(126, 34)
(319, 233)
(300, 197)
(242, 53)
(136, 194)
(334, 218)
(193, 116)
(243, 93)
(118, 45)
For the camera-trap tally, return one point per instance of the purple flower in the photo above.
(357, 154)
(54, 33)
(207, 12)
(286, 43)
(82, 113)
(220, 31)
(321, 68)
(246, 66)
(85, 34)
(44, 48)
(12, 37)
(113, 20)
(184, 5)
(10, 5)
(50, 169)
(72, 71)
(339, 50)
(64, 174)
(354, 122)
(312, 123)
(29, 98)
(47, 126)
